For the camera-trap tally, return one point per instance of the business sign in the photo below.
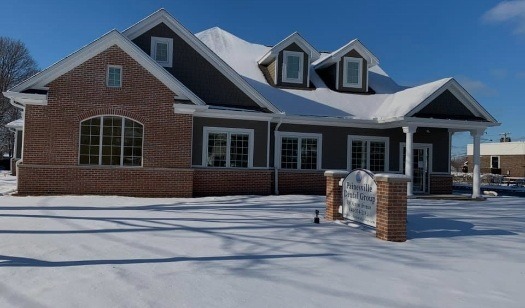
(360, 197)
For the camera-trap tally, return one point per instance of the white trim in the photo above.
(40, 80)
(338, 54)
(359, 62)
(26, 98)
(227, 130)
(351, 138)
(499, 161)
(162, 16)
(300, 55)
(418, 146)
(120, 76)
(292, 38)
(101, 116)
(153, 50)
(278, 146)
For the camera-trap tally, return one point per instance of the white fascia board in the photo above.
(26, 98)
(292, 38)
(234, 115)
(101, 44)
(188, 109)
(457, 125)
(462, 95)
(353, 44)
(163, 16)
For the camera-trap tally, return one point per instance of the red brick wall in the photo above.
(140, 182)
(514, 164)
(301, 182)
(440, 184)
(215, 182)
(334, 197)
(391, 211)
(52, 132)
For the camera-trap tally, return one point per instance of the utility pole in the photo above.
(505, 138)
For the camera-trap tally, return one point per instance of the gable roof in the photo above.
(162, 16)
(391, 102)
(40, 80)
(292, 38)
(352, 45)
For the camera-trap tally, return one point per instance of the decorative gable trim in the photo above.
(335, 56)
(162, 16)
(40, 80)
(462, 95)
(292, 38)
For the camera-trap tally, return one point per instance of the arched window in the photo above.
(111, 140)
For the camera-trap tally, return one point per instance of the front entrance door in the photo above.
(421, 162)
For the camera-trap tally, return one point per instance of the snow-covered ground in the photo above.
(250, 251)
(7, 182)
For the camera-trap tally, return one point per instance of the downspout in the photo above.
(275, 156)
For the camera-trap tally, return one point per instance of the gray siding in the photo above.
(364, 69)
(306, 66)
(195, 72)
(446, 106)
(260, 136)
(328, 75)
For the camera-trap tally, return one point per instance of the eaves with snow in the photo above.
(390, 102)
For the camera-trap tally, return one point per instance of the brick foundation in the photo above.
(391, 213)
(441, 184)
(138, 182)
(301, 182)
(217, 182)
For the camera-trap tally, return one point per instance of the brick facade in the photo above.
(301, 182)
(440, 184)
(511, 165)
(334, 194)
(216, 182)
(391, 213)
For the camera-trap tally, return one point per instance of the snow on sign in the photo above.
(360, 197)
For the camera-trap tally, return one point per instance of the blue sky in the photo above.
(480, 43)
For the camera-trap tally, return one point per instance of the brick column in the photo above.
(391, 214)
(334, 194)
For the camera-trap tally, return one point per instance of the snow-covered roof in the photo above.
(352, 45)
(390, 100)
(292, 38)
(16, 124)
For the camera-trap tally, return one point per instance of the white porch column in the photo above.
(476, 171)
(409, 160)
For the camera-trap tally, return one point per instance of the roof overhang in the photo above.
(16, 124)
(41, 80)
(26, 98)
(352, 45)
(463, 96)
(292, 38)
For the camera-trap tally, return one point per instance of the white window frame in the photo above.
(101, 141)
(359, 62)
(285, 77)
(499, 161)
(369, 139)
(107, 76)
(227, 130)
(162, 40)
(279, 138)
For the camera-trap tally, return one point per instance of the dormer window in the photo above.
(162, 50)
(293, 66)
(352, 72)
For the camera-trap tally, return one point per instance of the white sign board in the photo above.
(360, 197)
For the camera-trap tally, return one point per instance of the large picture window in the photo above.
(368, 153)
(228, 147)
(110, 140)
(300, 151)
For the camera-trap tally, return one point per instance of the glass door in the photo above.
(420, 167)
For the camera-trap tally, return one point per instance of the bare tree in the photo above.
(16, 65)
(457, 162)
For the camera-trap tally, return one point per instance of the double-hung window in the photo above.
(228, 147)
(114, 76)
(110, 140)
(299, 150)
(162, 50)
(494, 162)
(368, 153)
(352, 72)
(293, 66)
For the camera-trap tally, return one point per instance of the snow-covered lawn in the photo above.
(7, 183)
(249, 251)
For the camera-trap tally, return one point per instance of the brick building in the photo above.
(506, 158)
(158, 111)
